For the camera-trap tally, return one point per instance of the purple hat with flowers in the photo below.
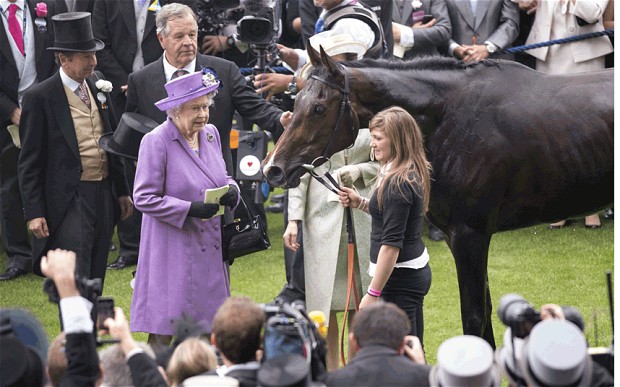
(188, 87)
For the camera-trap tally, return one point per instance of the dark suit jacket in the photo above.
(377, 365)
(9, 78)
(80, 6)
(425, 40)
(82, 361)
(496, 21)
(114, 23)
(144, 371)
(49, 166)
(146, 87)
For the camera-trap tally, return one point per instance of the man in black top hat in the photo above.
(73, 190)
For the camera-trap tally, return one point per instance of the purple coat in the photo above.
(180, 266)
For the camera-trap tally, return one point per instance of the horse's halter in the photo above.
(345, 105)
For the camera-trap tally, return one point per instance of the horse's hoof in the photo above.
(436, 235)
(555, 227)
(592, 226)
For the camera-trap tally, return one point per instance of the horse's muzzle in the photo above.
(275, 176)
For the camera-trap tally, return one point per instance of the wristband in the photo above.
(373, 292)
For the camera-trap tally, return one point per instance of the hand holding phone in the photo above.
(105, 309)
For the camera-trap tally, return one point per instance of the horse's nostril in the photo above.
(275, 175)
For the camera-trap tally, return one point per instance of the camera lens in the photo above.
(515, 312)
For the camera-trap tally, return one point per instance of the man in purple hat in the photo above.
(73, 191)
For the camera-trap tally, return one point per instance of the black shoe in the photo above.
(275, 208)
(12, 273)
(122, 262)
(279, 198)
(112, 247)
(609, 214)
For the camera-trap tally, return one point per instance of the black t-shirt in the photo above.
(400, 222)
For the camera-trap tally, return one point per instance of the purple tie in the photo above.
(83, 94)
(15, 29)
(178, 73)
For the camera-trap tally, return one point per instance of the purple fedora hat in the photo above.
(187, 87)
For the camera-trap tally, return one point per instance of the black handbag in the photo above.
(244, 236)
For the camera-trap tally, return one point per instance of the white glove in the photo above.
(349, 174)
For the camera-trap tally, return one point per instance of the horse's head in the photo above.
(323, 123)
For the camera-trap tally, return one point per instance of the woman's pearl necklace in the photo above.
(193, 143)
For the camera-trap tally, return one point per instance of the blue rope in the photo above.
(575, 38)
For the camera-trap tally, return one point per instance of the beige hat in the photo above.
(333, 44)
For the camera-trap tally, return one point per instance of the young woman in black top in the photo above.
(398, 258)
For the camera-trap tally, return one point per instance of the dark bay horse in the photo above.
(510, 147)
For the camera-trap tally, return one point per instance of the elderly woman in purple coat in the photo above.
(180, 267)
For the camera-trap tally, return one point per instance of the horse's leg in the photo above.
(470, 249)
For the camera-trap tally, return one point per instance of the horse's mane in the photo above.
(434, 63)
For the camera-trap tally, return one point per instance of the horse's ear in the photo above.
(314, 56)
(329, 63)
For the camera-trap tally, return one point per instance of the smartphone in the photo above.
(420, 16)
(105, 309)
(427, 18)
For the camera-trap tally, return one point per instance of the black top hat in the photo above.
(73, 32)
(125, 141)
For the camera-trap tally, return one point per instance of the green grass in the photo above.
(565, 266)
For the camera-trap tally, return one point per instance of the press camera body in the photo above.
(518, 314)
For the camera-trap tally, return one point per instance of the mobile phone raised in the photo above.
(105, 309)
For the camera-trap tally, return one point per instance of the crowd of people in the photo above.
(551, 352)
(119, 114)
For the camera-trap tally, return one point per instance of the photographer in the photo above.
(338, 18)
(144, 369)
(546, 347)
(80, 348)
(379, 340)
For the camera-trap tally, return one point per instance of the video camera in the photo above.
(290, 331)
(259, 25)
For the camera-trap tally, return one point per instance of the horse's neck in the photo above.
(417, 91)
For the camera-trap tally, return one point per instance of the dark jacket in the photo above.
(9, 77)
(378, 365)
(114, 23)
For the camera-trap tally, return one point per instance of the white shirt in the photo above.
(75, 313)
(170, 69)
(71, 83)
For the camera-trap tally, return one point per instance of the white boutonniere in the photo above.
(416, 4)
(104, 87)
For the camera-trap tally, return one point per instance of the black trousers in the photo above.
(407, 288)
(87, 228)
(128, 230)
(295, 288)
(15, 238)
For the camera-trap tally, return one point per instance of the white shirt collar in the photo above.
(5, 5)
(170, 69)
(68, 81)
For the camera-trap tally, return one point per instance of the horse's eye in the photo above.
(319, 109)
